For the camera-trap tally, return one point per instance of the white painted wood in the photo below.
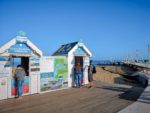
(79, 45)
(9, 88)
(5, 47)
(34, 48)
(34, 83)
(34, 75)
(3, 88)
(71, 62)
(47, 64)
(86, 61)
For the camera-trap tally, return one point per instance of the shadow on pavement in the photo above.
(131, 94)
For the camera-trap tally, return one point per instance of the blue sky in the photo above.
(109, 28)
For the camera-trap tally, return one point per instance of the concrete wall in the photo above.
(142, 105)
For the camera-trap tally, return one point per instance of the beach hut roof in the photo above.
(23, 40)
(65, 49)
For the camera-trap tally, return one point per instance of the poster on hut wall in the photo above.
(61, 71)
(5, 66)
(47, 72)
(56, 76)
(45, 81)
(34, 65)
(47, 64)
(14, 88)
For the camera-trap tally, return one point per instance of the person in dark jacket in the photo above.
(78, 71)
(19, 75)
(90, 73)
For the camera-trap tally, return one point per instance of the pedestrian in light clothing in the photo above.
(78, 71)
(19, 75)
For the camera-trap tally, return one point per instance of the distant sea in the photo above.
(103, 62)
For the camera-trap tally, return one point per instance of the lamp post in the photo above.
(137, 53)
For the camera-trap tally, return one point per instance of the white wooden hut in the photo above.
(75, 52)
(19, 51)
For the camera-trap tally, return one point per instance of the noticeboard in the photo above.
(55, 76)
(34, 65)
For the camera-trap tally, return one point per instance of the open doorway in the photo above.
(23, 61)
(25, 64)
(79, 59)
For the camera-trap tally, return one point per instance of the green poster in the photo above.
(58, 78)
(61, 70)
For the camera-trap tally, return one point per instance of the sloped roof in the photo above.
(64, 49)
(9, 44)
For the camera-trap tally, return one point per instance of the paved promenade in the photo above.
(103, 98)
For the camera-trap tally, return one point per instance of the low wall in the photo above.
(142, 78)
(142, 105)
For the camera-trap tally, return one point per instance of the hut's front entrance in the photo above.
(79, 59)
(24, 62)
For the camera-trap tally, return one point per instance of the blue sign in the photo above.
(20, 48)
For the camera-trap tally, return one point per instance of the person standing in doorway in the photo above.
(90, 73)
(78, 71)
(19, 75)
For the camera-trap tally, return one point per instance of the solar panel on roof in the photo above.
(64, 49)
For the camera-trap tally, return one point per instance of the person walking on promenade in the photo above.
(78, 71)
(90, 73)
(19, 75)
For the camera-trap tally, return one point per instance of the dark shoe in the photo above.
(90, 86)
(19, 98)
